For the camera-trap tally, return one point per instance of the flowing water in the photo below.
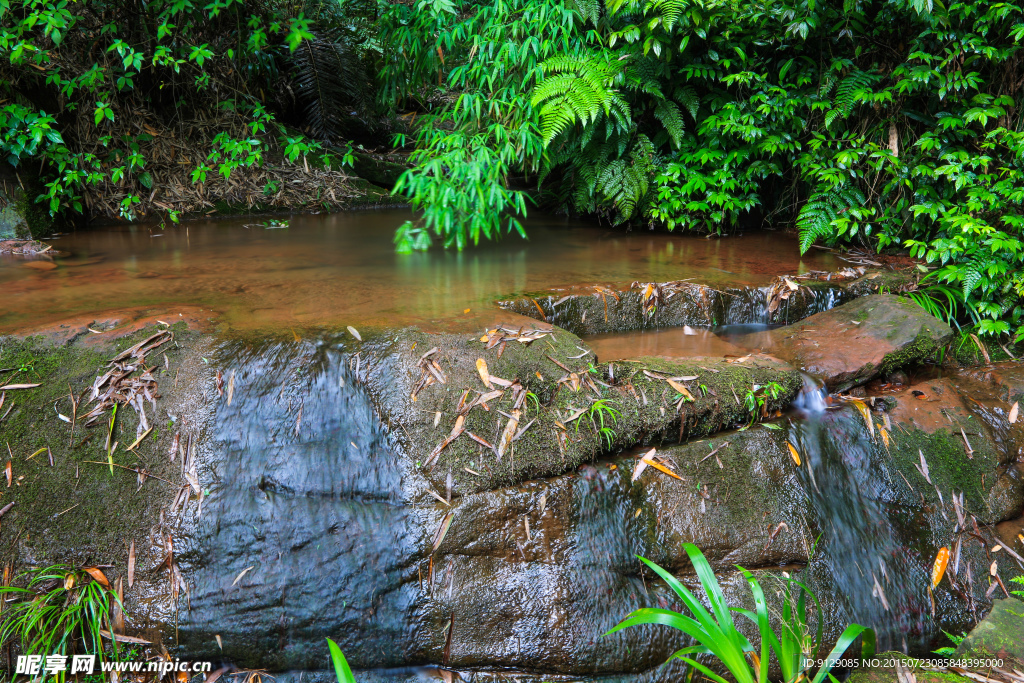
(851, 493)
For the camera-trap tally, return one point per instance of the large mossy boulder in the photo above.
(857, 341)
(72, 503)
(1000, 635)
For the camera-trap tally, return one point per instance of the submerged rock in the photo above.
(855, 342)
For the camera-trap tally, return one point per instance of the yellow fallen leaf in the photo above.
(481, 367)
(658, 466)
(866, 414)
(680, 388)
(100, 577)
(795, 453)
(939, 568)
(1014, 410)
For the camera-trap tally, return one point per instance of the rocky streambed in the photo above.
(471, 501)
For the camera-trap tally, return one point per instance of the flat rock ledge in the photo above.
(857, 341)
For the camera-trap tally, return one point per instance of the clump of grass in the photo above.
(60, 611)
(598, 411)
(795, 648)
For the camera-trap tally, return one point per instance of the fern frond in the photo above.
(815, 220)
(848, 94)
(688, 99)
(330, 81)
(668, 113)
(588, 10)
(579, 88)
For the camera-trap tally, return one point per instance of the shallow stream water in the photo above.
(341, 269)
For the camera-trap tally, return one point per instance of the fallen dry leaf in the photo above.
(481, 367)
(939, 567)
(95, 573)
(241, 574)
(680, 388)
(795, 453)
(442, 530)
(124, 639)
(641, 464)
(131, 564)
(355, 333)
(1014, 410)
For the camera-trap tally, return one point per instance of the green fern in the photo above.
(624, 182)
(688, 99)
(815, 220)
(579, 89)
(588, 10)
(848, 94)
(668, 113)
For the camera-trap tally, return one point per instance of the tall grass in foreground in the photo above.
(795, 648)
(61, 611)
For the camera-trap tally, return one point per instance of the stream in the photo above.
(332, 505)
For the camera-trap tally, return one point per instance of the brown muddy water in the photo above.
(680, 342)
(341, 269)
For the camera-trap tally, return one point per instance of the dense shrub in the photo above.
(882, 124)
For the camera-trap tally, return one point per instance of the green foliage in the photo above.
(1020, 593)
(756, 399)
(341, 668)
(948, 651)
(879, 124)
(596, 413)
(943, 302)
(60, 611)
(715, 632)
(473, 64)
(117, 76)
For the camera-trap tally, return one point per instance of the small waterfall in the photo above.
(812, 399)
(865, 551)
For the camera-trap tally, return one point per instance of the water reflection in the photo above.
(342, 269)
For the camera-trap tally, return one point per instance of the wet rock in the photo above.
(20, 217)
(21, 246)
(561, 429)
(319, 518)
(999, 635)
(961, 425)
(41, 266)
(899, 377)
(1006, 378)
(598, 310)
(859, 340)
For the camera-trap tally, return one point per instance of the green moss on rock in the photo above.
(74, 511)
